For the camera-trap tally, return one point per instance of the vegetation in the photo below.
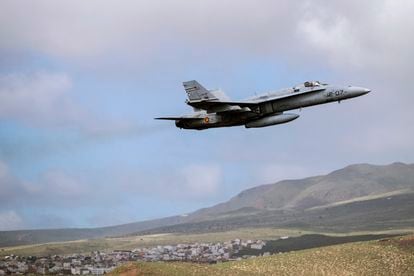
(308, 241)
(386, 213)
(384, 257)
(131, 242)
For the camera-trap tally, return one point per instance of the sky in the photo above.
(81, 81)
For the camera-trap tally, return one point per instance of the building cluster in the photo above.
(98, 263)
(198, 252)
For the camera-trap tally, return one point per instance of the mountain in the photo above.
(21, 237)
(356, 197)
(349, 183)
(395, 212)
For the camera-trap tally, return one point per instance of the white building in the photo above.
(97, 271)
(257, 246)
(75, 271)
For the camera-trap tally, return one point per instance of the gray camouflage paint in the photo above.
(214, 109)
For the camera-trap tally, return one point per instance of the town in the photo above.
(98, 263)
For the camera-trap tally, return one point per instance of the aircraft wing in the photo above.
(212, 106)
(178, 118)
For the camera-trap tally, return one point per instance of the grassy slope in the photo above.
(131, 242)
(392, 257)
(386, 213)
(25, 237)
(147, 241)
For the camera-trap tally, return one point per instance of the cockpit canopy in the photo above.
(311, 83)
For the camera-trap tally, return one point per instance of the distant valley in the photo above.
(359, 197)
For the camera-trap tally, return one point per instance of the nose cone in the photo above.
(356, 91)
(365, 90)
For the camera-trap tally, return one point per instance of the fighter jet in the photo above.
(212, 108)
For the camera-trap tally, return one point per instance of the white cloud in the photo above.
(144, 31)
(45, 99)
(369, 35)
(334, 40)
(38, 99)
(201, 180)
(191, 183)
(63, 186)
(10, 220)
(39, 202)
(53, 187)
(58, 190)
(347, 32)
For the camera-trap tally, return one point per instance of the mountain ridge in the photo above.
(303, 194)
(353, 182)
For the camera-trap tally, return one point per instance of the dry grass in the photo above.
(389, 257)
(131, 242)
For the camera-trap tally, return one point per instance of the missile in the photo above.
(272, 120)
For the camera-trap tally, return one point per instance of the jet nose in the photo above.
(365, 91)
(356, 91)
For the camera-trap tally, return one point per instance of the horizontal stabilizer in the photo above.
(177, 118)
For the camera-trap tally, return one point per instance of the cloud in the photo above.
(201, 180)
(11, 188)
(367, 43)
(373, 35)
(344, 34)
(45, 99)
(52, 187)
(191, 183)
(38, 99)
(56, 191)
(333, 39)
(62, 186)
(10, 220)
(50, 200)
(75, 29)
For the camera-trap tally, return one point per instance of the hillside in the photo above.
(21, 237)
(385, 213)
(319, 202)
(349, 183)
(385, 257)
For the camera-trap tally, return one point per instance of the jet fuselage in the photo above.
(263, 110)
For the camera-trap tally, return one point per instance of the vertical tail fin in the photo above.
(196, 91)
